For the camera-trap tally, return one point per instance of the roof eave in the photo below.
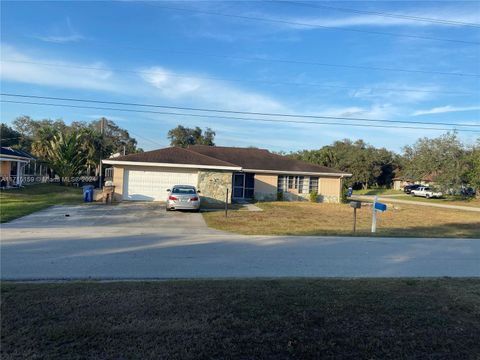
(173, 165)
(297, 172)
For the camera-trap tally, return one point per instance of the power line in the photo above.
(223, 111)
(209, 116)
(384, 14)
(179, 75)
(295, 23)
(298, 62)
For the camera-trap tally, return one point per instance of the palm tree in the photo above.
(66, 156)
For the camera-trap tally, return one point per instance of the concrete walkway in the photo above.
(420, 203)
(135, 241)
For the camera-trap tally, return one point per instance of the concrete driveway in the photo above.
(142, 240)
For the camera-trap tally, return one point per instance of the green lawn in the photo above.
(243, 319)
(15, 203)
(377, 192)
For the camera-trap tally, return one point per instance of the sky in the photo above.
(329, 58)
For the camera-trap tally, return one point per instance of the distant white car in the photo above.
(426, 192)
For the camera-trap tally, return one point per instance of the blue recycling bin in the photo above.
(88, 193)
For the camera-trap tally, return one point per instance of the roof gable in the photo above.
(174, 155)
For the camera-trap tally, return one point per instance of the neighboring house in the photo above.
(400, 182)
(12, 166)
(247, 173)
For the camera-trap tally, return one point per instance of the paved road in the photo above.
(392, 199)
(137, 241)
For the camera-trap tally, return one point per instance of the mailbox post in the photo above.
(376, 207)
(355, 205)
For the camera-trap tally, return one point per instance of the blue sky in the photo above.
(151, 52)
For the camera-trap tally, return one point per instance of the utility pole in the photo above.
(102, 132)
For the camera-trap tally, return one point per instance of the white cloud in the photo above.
(62, 34)
(20, 67)
(446, 109)
(207, 91)
(399, 94)
(450, 15)
(60, 38)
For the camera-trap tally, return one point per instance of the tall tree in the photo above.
(367, 164)
(182, 136)
(8, 136)
(115, 138)
(443, 157)
(473, 164)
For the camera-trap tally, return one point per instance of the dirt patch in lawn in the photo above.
(243, 319)
(304, 218)
(449, 200)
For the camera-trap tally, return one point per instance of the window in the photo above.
(290, 182)
(286, 183)
(313, 187)
(300, 184)
(281, 183)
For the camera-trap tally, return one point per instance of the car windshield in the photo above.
(426, 189)
(183, 190)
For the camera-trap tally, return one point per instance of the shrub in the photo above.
(279, 196)
(313, 196)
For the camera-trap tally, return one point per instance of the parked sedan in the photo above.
(426, 192)
(183, 197)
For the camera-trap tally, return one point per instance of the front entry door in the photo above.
(243, 185)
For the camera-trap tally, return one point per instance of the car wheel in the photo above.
(427, 196)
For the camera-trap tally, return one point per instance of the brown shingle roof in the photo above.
(260, 159)
(246, 158)
(174, 155)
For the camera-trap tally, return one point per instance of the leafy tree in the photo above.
(8, 136)
(182, 136)
(29, 128)
(443, 157)
(473, 164)
(115, 138)
(367, 164)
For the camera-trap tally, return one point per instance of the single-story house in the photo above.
(247, 173)
(400, 182)
(12, 166)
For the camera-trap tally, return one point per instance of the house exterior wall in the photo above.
(266, 187)
(5, 167)
(213, 186)
(118, 183)
(329, 189)
(214, 183)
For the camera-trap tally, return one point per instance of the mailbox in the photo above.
(380, 206)
(356, 204)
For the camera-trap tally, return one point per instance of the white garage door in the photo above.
(153, 185)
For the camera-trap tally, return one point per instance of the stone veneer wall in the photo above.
(213, 186)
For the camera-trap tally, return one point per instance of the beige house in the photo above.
(247, 174)
(12, 166)
(400, 182)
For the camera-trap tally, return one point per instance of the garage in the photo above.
(151, 185)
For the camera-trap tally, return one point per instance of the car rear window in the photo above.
(183, 190)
